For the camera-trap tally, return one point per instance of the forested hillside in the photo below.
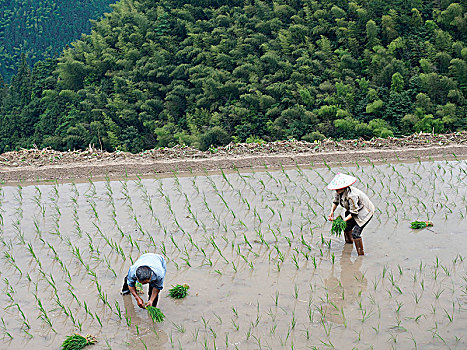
(42, 28)
(158, 73)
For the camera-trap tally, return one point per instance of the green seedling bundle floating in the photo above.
(420, 224)
(155, 313)
(338, 226)
(78, 342)
(179, 291)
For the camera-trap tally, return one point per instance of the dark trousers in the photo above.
(353, 226)
(126, 289)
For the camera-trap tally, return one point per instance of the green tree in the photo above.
(372, 34)
(397, 82)
(201, 73)
(429, 124)
(41, 28)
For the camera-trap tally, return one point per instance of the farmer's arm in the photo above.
(131, 280)
(154, 294)
(331, 214)
(157, 285)
(133, 292)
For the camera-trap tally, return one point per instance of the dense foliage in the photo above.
(207, 72)
(42, 28)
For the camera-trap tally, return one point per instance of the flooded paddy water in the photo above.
(255, 248)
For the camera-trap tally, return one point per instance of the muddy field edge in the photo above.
(81, 170)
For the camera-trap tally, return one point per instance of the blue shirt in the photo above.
(156, 263)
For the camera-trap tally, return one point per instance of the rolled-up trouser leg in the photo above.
(149, 296)
(357, 230)
(348, 229)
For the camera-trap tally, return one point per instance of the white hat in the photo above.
(341, 181)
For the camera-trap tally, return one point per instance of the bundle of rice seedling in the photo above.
(78, 342)
(420, 224)
(139, 288)
(155, 313)
(338, 226)
(179, 291)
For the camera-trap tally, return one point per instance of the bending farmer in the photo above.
(358, 208)
(149, 268)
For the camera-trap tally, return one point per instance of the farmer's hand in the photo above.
(331, 216)
(140, 303)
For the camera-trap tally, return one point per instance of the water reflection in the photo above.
(143, 333)
(346, 290)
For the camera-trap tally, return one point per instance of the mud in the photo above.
(46, 164)
(255, 249)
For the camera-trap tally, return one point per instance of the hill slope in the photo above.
(201, 73)
(42, 28)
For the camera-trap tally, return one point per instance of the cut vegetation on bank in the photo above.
(34, 164)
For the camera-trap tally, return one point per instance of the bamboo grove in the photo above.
(42, 28)
(161, 73)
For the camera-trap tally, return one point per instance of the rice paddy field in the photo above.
(255, 249)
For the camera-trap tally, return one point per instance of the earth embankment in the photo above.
(46, 164)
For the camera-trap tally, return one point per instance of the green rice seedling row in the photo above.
(256, 249)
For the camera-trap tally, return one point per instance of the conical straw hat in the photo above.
(341, 181)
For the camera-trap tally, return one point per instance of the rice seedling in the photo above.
(43, 314)
(338, 226)
(179, 291)
(250, 222)
(180, 328)
(155, 314)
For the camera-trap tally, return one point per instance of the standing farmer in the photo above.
(149, 268)
(358, 208)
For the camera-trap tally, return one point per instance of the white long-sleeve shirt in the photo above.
(356, 203)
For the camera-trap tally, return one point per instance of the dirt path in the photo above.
(46, 164)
